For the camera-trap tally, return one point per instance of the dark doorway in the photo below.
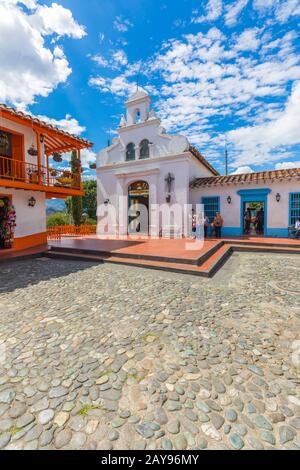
(254, 218)
(138, 208)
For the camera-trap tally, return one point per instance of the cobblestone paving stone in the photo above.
(108, 357)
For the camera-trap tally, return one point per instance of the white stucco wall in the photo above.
(29, 139)
(168, 154)
(30, 220)
(114, 182)
(277, 212)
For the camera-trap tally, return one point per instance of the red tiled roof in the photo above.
(203, 160)
(60, 135)
(248, 178)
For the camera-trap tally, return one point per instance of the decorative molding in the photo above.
(254, 192)
(138, 125)
(134, 174)
(184, 157)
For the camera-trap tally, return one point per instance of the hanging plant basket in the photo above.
(93, 166)
(32, 151)
(57, 157)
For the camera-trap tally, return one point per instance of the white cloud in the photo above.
(120, 57)
(68, 124)
(87, 157)
(205, 79)
(269, 141)
(100, 60)
(56, 20)
(31, 4)
(282, 9)
(119, 86)
(242, 169)
(233, 10)
(247, 40)
(117, 60)
(287, 165)
(29, 68)
(287, 9)
(122, 24)
(213, 11)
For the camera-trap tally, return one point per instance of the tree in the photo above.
(89, 201)
(76, 203)
(59, 218)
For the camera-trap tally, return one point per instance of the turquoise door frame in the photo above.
(254, 195)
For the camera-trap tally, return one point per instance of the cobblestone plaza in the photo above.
(104, 357)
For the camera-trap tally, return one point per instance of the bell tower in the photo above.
(138, 107)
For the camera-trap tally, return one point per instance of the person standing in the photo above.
(260, 221)
(206, 225)
(297, 228)
(218, 224)
(193, 224)
(247, 218)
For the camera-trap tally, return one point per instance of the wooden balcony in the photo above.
(23, 175)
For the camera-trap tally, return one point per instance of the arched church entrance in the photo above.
(138, 208)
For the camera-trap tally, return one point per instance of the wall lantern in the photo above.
(278, 197)
(31, 202)
(42, 138)
(229, 199)
(169, 180)
(106, 202)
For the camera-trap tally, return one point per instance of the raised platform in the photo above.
(167, 255)
(9, 254)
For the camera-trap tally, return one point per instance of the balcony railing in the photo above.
(17, 170)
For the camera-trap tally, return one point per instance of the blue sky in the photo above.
(216, 70)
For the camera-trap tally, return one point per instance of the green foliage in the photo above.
(76, 200)
(59, 218)
(88, 202)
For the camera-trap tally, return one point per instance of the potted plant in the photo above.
(33, 175)
(57, 157)
(32, 151)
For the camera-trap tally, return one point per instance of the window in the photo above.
(130, 152)
(211, 206)
(137, 116)
(294, 207)
(5, 144)
(144, 149)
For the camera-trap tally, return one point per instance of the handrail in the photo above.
(59, 231)
(18, 170)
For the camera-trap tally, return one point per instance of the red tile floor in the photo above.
(172, 255)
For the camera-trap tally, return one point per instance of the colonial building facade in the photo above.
(145, 167)
(27, 180)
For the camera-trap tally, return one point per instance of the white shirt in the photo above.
(297, 225)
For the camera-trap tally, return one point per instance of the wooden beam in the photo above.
(39, 162)
(79, 169)
(44, 129)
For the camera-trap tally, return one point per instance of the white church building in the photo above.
(145, 167)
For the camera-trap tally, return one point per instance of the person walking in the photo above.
(218, 224)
